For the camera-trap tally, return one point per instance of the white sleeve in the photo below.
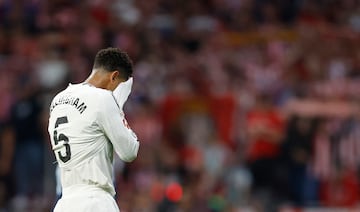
(116, 129)
(122, 92)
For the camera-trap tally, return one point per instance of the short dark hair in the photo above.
(112, 59)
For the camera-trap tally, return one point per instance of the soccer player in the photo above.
(86, 126)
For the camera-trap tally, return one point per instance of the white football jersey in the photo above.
(86, 126)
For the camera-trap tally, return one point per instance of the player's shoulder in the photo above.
(97, 95)
(85, 92)
(83, 96)
(85, 89)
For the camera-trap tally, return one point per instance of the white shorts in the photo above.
(86, 199)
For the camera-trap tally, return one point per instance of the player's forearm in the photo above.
(125, 143)
(128, 153)
(116, 128)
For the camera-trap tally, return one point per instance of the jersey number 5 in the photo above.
(62, 137)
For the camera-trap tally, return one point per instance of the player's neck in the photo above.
(97, 79)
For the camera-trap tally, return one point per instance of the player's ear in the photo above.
(114, 80)
(115, 75)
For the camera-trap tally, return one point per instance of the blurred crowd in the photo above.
(239, 104)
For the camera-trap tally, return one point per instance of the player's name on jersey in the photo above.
(69, 100)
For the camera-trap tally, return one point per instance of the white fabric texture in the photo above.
(122, 92)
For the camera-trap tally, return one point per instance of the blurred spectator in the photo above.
(265, 130)
(29, 146)
(7, 147)
(297, 152)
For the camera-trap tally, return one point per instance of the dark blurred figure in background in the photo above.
(7, 146)
(29, 148)
(296, 153)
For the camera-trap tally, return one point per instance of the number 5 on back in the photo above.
(62, 137)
